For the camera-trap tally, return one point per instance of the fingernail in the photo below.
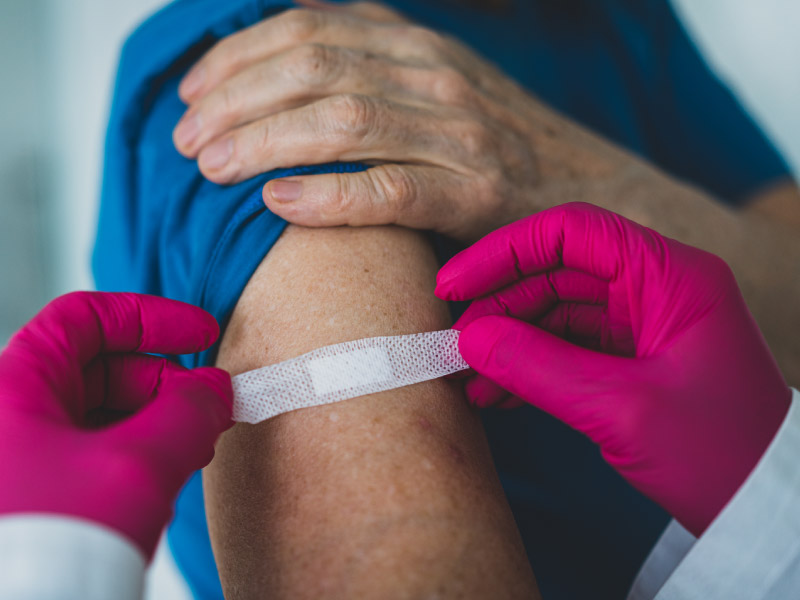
(187, 130)
(217, 154)
(192, 83)
(284, 190)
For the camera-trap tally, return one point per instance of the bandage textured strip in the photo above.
(343, 371)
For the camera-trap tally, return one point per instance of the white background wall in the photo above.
(84, 40)
(57, 59)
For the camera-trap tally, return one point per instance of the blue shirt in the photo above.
(624, 68)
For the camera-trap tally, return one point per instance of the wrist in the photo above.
(729, 463)
(575, 164)
(133, 511)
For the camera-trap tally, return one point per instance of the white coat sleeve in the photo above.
(44, 557)
(751, 551)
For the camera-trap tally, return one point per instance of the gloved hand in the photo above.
(76, 363)
(640, 342)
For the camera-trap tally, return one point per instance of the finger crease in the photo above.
(157, 384)
(515, 256)
(553, 290)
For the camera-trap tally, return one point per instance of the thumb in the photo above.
(575, 385)
(180, 425)
(381, 195)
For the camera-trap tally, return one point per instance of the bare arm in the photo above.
(392, 495)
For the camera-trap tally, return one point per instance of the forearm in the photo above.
(758, 242)
(389, 495)
(763, 253)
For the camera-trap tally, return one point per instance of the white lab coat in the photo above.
(750, 552)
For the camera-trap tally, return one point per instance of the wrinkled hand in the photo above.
(457, 146)
(78, 363)
(640, 342)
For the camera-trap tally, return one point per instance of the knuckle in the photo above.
(67, 304)
(340, 201)
(313, 64)
(72, 298)
(451, 87)
(77, 305)
(573, 210)
(350, 116)
(422, 37)
(712, 270)
(252, 142)
(300, 24)
(489, 188)
(395, 187)
(475, 138)
(373, 9)
(228, 103)
(223, 55)
(718, 266)
(261, 140)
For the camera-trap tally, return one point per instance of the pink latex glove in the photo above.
(76, 363)
(640, 342)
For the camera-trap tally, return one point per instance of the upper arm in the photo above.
(388, 495)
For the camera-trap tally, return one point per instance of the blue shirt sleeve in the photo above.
(164, 229)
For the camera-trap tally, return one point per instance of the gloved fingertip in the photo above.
(173, 326)
(478, 340)
(442, 290)
(219, 381)
(447, 283)
(212, 332)
(204, 322)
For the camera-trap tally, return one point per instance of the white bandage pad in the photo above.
(343, 371)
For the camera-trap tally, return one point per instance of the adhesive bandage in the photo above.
(343, 371)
